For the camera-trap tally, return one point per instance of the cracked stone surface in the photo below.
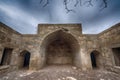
(57, 72)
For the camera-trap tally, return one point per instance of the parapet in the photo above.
(51, 27)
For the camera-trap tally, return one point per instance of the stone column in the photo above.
(1, 52)
(42, 61)
(77, 60)
(85, 59)
(14, 59)
(108, 56)
(34, 60)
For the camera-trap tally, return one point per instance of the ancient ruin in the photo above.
(59, 44)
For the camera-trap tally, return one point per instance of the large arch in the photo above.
(24, 60)
(60, 47)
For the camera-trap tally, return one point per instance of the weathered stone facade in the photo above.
(59, 44)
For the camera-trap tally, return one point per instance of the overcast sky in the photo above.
(25, 15)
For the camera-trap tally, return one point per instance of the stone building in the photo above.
(59, 44)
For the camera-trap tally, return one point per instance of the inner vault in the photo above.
(60, 48)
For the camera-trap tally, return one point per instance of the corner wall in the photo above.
(109, 39)
(9, 39)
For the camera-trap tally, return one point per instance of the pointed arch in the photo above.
(24, 59)
(94, 55)
(62, 43)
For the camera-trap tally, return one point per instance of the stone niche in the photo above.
(58, 44)
(116, 54)
(59, 48)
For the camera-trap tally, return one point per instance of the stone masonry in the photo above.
(59, 44)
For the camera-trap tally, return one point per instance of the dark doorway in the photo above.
(116, 53)
(24, 60)
(6, 57)
(93, 60)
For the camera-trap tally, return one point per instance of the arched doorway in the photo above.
(94, 55)
(60, 48)
(24, 60)
(116, 53)
(6, 56)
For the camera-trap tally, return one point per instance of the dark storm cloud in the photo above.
(25, 15)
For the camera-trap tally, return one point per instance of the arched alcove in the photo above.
(116, 54)
(6, 56)
(59, 47)
(95, 59)
(24, 59)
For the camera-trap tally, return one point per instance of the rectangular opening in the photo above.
(116, 53)
(6, 57)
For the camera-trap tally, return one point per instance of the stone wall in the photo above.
(77, 45)
(47, 28)
(9, 39)
(88, 44)
(31, 43)
(109, 39)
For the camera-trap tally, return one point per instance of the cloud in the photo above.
(21, 19)
(24, 16)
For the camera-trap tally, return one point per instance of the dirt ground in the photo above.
(60, 73)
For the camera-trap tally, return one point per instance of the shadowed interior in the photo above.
(6, 57)
(24, 60)
(116, 53)
(60, 48)
(95, 59)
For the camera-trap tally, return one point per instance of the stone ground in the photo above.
(60, 73)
